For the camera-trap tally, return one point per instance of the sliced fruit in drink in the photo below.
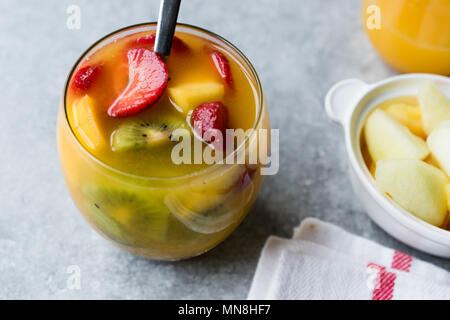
(111, 228)
(439, 143)
(435, 106)
(186, 97)
(148, 77)
(131, 216)
(86, 122)
(84, 77)
(212, 205)
(223, 66)
(226, 180)
(247, 178)
(416, 186)
(149, 42)
(137, 134)
(408, 115)
(388, 139)
(207, 117)
(213, 220)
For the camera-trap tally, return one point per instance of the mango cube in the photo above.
(86, 122)
(188, 96)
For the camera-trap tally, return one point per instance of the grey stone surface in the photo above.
(299, 48)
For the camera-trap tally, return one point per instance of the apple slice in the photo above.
(408, 115)
(435, 106)
(86, 122)
(186, 97)
(439, 143)
(388, 139)
(416, 186)
(447, 189)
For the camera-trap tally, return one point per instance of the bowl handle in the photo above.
(342, 97)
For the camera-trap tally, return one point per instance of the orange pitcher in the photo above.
(411, 35)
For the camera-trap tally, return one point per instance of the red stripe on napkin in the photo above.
(384, 283)
(401, 261)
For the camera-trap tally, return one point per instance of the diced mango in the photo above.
(408, 115)
(416, 186)
(86, 122)
(387, 138)
(187, 97)
(435, 106)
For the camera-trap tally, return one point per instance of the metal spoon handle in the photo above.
(167, 20)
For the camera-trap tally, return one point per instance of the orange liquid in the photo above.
(184, 68)
(414, 34)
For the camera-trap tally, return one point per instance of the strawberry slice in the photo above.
(148, 76)
(223, 66)
(149, 42)
(209, 116)
(146, 40)
(246, 178)
(84, 77)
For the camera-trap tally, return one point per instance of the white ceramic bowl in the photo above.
(348, 103)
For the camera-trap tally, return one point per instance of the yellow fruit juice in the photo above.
(413, 35)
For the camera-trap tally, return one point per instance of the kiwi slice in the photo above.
(128, 217)
(138, 134)
(207, 213)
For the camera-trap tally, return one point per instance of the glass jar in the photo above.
(167, 218)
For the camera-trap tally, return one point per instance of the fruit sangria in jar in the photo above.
(132, 125)
(411, 35)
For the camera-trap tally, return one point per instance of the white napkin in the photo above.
(323, 261)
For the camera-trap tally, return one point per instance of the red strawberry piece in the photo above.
(146, 40)
(246, 178)
(223, 66)
(210, 116)
(149, 42)
(178, 44)
(86, 76)
(147, 74)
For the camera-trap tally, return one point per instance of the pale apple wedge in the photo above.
(447, 189)
(416, 186)
(388, 139)
(188, 96)
(408, 115)
(439, 143)
(435, 106)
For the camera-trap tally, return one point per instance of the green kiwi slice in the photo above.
(128, 217)
(213, 205)
(212, 220)
(138, 134)
(220, 213)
